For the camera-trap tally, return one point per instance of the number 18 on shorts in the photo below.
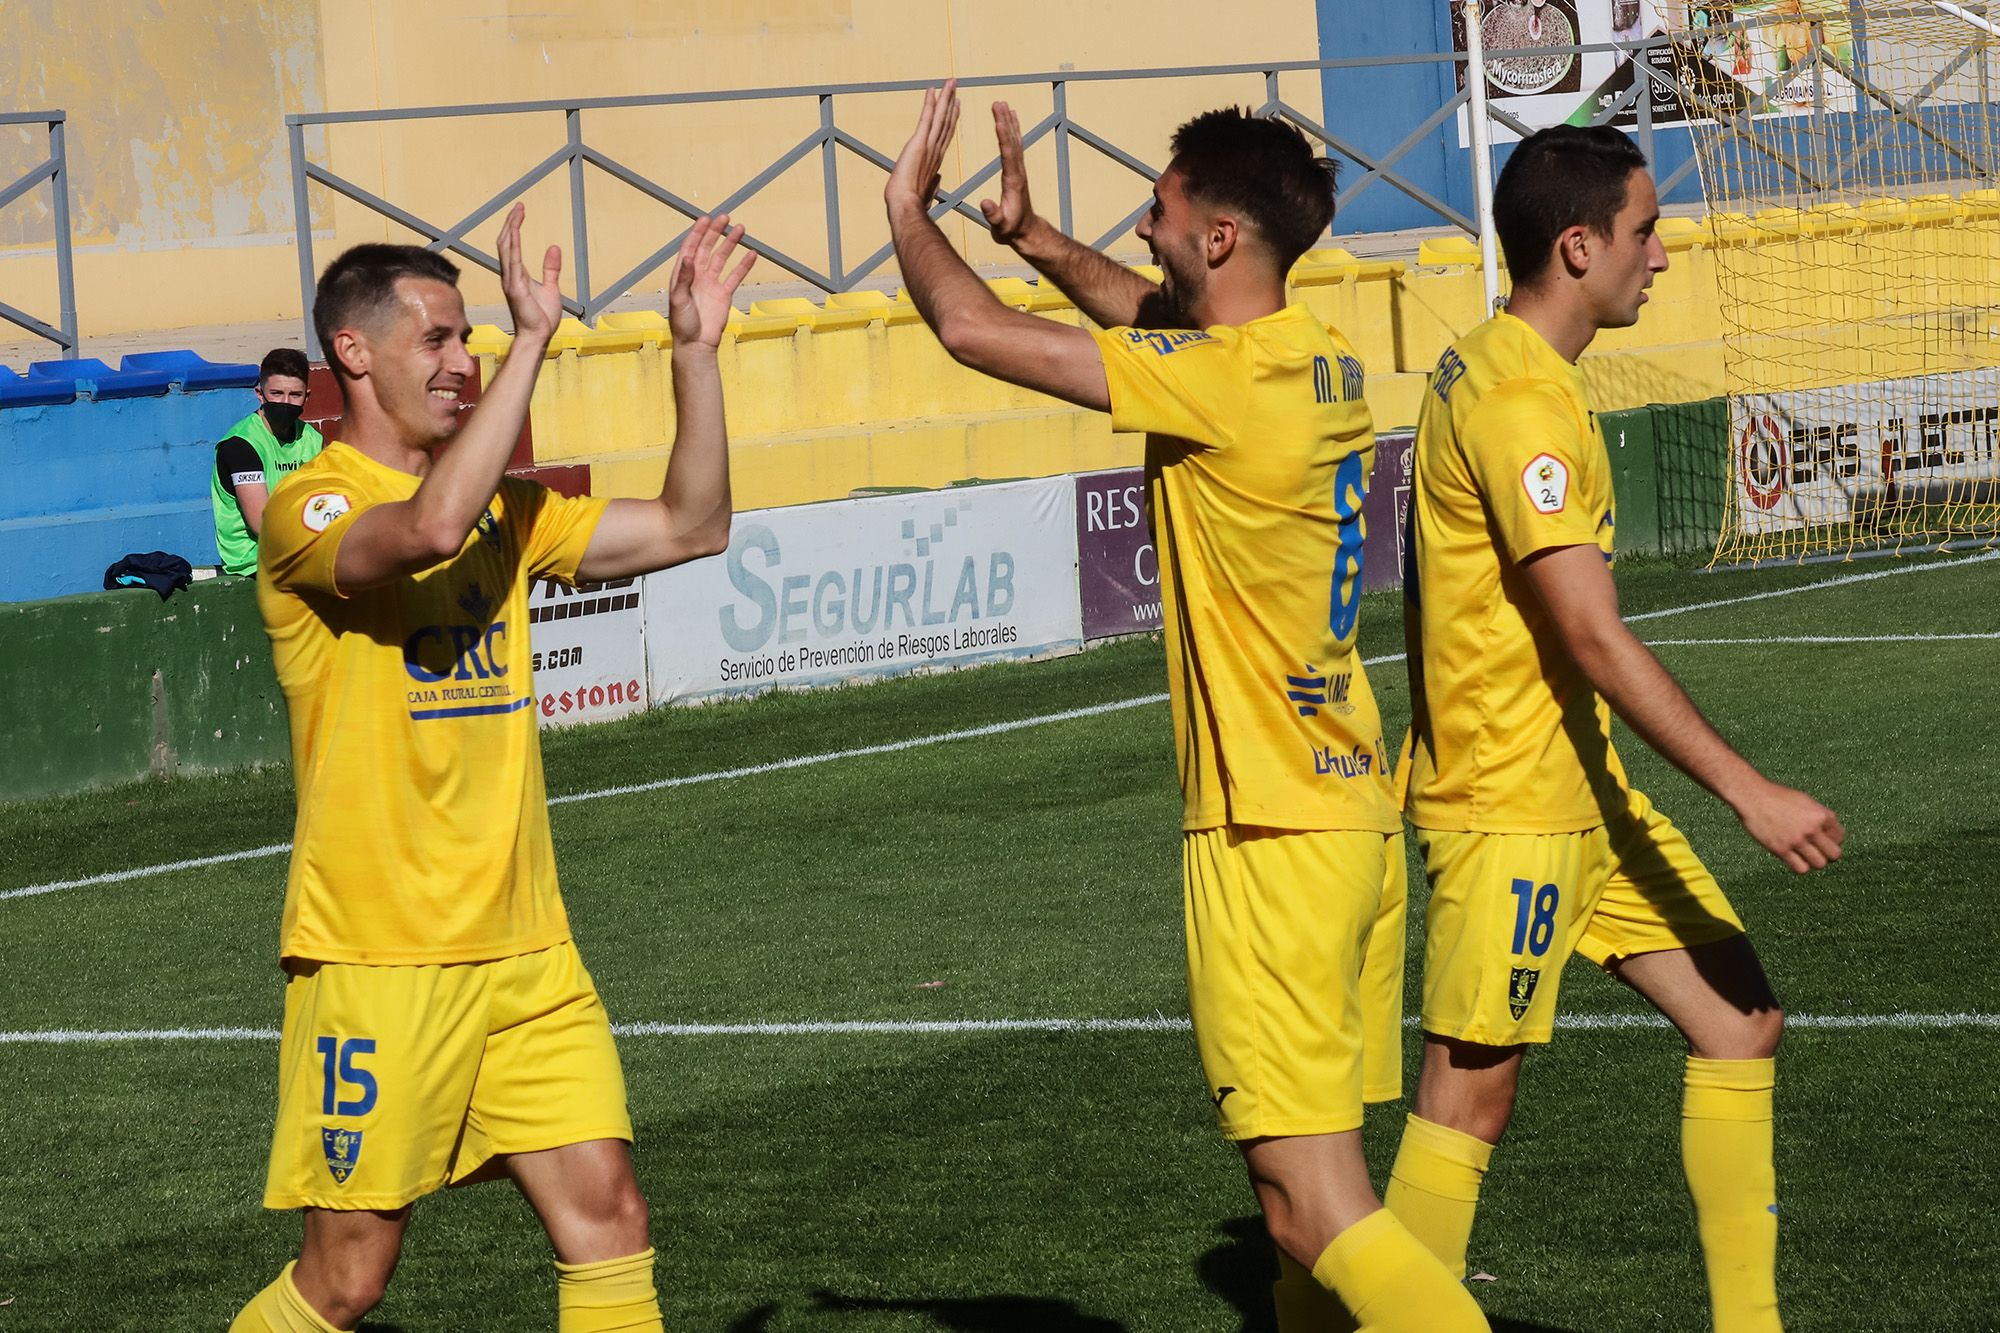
(1502, 923)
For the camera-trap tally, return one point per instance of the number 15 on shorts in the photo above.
(342, 1071)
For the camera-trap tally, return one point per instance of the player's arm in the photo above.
(690, 516)
(390, 541)
(1575, 586)
(1104, 289)
(972, 323)
(243, 477)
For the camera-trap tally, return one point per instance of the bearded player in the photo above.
(439, 1026)
(1258, 448)
(1535, 844)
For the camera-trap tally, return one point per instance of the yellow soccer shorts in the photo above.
(394, 1081)
(1295, 974)
(1508, 909)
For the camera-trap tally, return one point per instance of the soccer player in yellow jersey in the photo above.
(1257, 456)
(1535, 844)
(439, 1027)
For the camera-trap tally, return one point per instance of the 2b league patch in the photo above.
(321, 509)
(1546, 479)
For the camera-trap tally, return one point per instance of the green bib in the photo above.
(234, 542)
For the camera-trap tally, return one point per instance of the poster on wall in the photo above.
(589, 646)
(856, 589)
(1762, 67)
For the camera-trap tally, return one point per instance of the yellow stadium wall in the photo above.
(180, 173)
(826, 400)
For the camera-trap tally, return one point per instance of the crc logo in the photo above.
(456, 652)
(1763, 458)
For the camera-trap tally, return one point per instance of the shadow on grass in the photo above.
(973, 1314)
(1242, 1268)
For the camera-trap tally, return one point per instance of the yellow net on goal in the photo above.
(1851, 161)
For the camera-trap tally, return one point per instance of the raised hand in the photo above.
(917, 172)
(704, 285)
(1011, 215)
(535, 306)
(1793, 827)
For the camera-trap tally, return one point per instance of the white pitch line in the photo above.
(1941, 1022)
(1869, 577)
(1820, 638)
(804, 761)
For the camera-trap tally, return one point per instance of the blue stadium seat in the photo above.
(18, 392)
(101, 380)
(192, 371)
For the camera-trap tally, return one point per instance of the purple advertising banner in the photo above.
(1388, 504)
(1118, 572)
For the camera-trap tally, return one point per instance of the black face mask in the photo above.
(284, 419)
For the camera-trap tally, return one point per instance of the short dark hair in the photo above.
(287, 361)
(1264, 169)
(1561, 177)
(359, 284)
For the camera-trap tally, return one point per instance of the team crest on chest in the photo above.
(476, 604)
(1521, 985)
(489, 528)
(343, 1152)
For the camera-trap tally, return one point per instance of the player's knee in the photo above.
(353, 1290)
(1763, 1029)
(620, 1213)
(1290, 1232)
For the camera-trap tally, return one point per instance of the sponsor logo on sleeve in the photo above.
(1546, 479)
(322, 509)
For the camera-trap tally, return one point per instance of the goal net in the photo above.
(1848, 151)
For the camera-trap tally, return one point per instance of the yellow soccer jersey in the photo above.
(1257, 457)
(1509, 461)
(423, 828)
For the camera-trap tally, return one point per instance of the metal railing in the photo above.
(55, 170)
(828, 140)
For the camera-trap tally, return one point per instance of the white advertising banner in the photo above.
(826, 593)
(1820, 456)
(590, 650)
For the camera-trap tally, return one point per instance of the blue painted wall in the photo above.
(88, 482)
(1375, 109)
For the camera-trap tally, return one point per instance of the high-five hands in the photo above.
(535, 306)
(1011, 215)
(704, 285)
(914, 181)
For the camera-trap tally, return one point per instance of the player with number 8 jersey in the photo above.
(1259, 444)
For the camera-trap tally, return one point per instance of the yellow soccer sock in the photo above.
(1434, 1187)
(1726, 1151)
(610, 1296)
(279, 1308)
(1303, 1305)
(1392, 1284)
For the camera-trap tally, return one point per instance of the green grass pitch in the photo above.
(1065, 1182)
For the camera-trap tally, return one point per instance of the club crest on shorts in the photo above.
(1521, 984)
(343, 1152)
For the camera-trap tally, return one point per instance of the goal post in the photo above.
(1850, 155)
